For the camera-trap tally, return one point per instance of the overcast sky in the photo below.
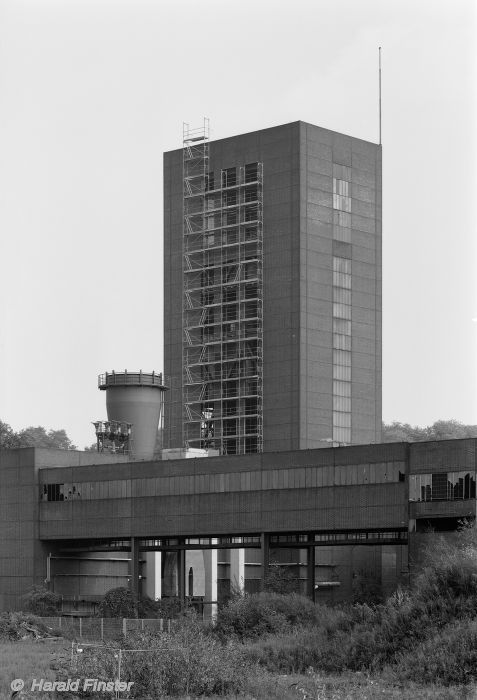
(93, 92)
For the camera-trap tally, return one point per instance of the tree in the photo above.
(8, 438)
(440, 430)
(118, 602)
(40, 601)
(34, 437)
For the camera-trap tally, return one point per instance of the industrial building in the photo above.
(272, 391)
(272, 311)
(87, 522)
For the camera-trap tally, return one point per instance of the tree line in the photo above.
(392, 432)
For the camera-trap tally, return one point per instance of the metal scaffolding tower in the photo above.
(222, 308)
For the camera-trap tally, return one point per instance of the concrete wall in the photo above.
(22, 554)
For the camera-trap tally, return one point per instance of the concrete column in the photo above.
(134, 585)
(265, 554)
(237, 570)
(152, 585)
(310, 573)
(210, 593)
(181, 557)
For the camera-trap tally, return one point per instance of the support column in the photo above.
(265, 554)
(134, 584)
(237, 570)
(152, 586)
(310, 573)
(181, 557)
(210, 592)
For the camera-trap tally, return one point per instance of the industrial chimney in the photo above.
(135, 398)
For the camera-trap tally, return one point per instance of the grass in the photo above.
(34, 659)
(27, 660)
(348, 686)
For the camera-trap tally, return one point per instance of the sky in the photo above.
(92, 92)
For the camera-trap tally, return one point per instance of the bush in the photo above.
(252, 616)
(118, 602)
(187, 661)
(279, 579)
(448, 657)
(40, 601)
(165, 608)
(18, 625)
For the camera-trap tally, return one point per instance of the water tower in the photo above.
(135, 399)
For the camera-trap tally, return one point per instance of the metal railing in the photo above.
(131, 379)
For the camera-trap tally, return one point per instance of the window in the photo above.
(342, 296)
(341, 172)
(341, 388)
(341, 403)
(251, 194)
(251, 172)
(342, 311)
(230, 198)
(230, 313)
(445, 486)
(342, 265)
(341, 342)
(251, 213)
(341, 326)
(341, 419)
(229, 177)
(230, 294)
(342, 357)
(342, 373)
(341, 198)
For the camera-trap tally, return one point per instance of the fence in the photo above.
(101, 628)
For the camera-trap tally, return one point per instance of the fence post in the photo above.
(81, 627)
(59, 622)
(169, 625)
(124, 626)
(142, 625)
(161, 625)
(102, 629)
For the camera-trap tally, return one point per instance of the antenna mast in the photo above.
(379, 95)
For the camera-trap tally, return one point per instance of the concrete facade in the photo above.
(321, 208)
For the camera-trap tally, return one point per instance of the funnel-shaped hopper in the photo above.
(137, 398)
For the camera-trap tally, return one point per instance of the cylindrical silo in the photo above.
(137, 398)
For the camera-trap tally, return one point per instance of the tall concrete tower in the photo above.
(272, 305)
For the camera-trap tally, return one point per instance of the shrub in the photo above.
(118, 602)
(367, 588)
(18, 625)
(279, 579)
(165, 608)
(448, 657)
(40, 601)
(187, 661)
(251, 616)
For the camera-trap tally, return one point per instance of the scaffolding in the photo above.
(222, 313)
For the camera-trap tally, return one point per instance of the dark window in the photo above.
(251, 172)
(229, 177)
(230, 198)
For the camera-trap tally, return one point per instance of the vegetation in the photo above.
(40, 601)
(281, 645)
(118, 602)
(34, 437)
(440, 430)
